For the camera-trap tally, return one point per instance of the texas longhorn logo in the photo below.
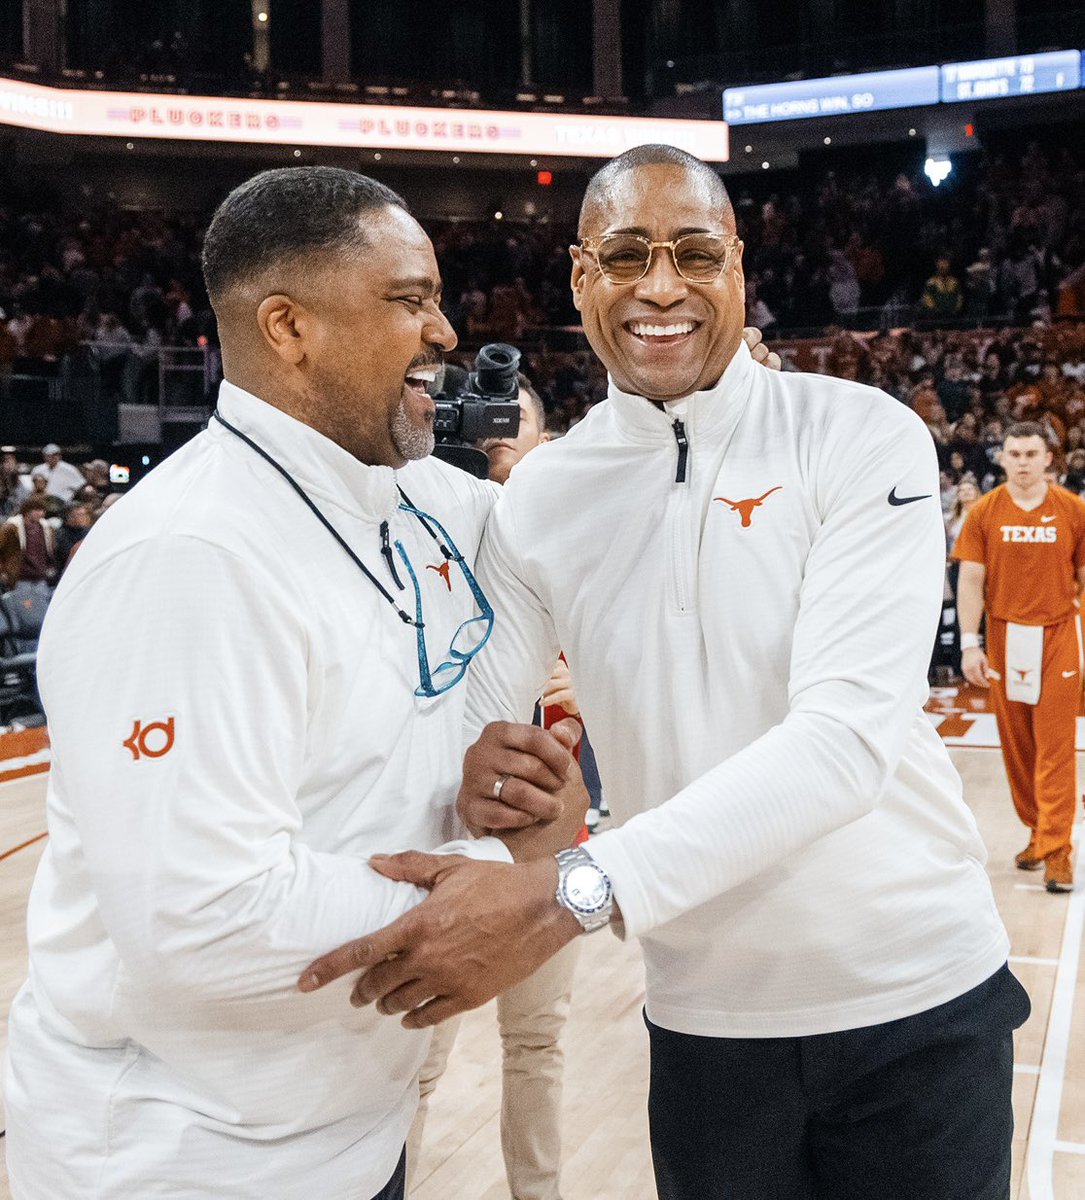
(443, 570)
(150, 741)
(745, 508)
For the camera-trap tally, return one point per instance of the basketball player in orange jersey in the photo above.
(1022, 556)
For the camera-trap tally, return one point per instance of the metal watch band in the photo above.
(590, 919)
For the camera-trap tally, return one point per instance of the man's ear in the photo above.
(578, 276)
(284, 324)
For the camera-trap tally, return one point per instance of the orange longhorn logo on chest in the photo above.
(444, 571)
(745, 508)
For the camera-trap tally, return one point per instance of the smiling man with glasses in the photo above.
(744, 570)
(285, 610)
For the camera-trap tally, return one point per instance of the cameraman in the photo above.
(505, 453)
(532, 1014)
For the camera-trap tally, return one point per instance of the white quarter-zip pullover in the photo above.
(747, 601)
(234, 729)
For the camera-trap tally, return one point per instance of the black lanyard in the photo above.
(404, 616)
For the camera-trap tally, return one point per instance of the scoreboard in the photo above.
(1023, 75)
(913, 87)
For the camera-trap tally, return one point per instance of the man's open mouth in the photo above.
(656, 334)
(418, 379)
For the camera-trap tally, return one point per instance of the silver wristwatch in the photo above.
(584, 889)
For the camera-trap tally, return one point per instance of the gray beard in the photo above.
(410, 440)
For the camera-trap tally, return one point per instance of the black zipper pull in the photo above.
(386, 551)
(683, 450)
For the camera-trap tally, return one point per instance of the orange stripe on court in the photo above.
(22, 846)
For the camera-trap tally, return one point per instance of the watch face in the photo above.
(586, 888)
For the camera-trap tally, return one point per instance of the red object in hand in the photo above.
(552, 714)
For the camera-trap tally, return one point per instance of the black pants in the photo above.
(396, 1187)
(915, 1109)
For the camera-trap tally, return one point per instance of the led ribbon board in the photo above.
(987, 79)
(872, 92)
(376, 127)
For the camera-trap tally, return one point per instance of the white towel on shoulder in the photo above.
(1024, 662)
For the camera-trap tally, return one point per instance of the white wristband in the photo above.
(971, 641)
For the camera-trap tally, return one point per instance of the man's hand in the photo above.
(560, 690)
(761, 353)
(534, 765)
(484, 927)
(545, 838)
(975, 667)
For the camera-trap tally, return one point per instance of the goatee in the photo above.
(411, 440)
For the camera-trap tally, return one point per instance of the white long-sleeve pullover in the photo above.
(234, 729)
(747, 610)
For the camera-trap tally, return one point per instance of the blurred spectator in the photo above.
(992, 380)
(953, 388)
(1020, 278)
(843, 287)
(758, 312)
(62, 478)
(967, 493)
(13, 487)
(942, 297)
(981, 287)
(78, 519)
(39, 484)
(1074, 479)
(28, 546)
(96, 473)
(9, 351)
(112, 344)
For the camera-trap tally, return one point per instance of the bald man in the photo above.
(744, 570)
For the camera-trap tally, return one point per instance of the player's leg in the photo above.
(728, 1118)
(444, 1037)
(1055, 728)
(530, 1017)
(1015, 732)
(920, 1108)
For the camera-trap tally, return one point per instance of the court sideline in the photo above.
(606, 1152)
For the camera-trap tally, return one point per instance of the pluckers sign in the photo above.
(309, 123)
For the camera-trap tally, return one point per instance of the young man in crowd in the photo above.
(28, 546)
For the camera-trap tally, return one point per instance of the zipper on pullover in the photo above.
(386, 552)
(683, 568)
(683, 450)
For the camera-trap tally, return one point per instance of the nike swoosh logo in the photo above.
(894, 499)
(1046, 519)
(1067, 674)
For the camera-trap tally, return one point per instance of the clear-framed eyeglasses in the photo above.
(627, 257)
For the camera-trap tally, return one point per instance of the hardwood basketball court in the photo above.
(606, 1146)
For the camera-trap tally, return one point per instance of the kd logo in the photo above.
(745, 508)
(150, 741)
(444, 571)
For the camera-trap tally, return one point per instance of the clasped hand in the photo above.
(485, 925)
